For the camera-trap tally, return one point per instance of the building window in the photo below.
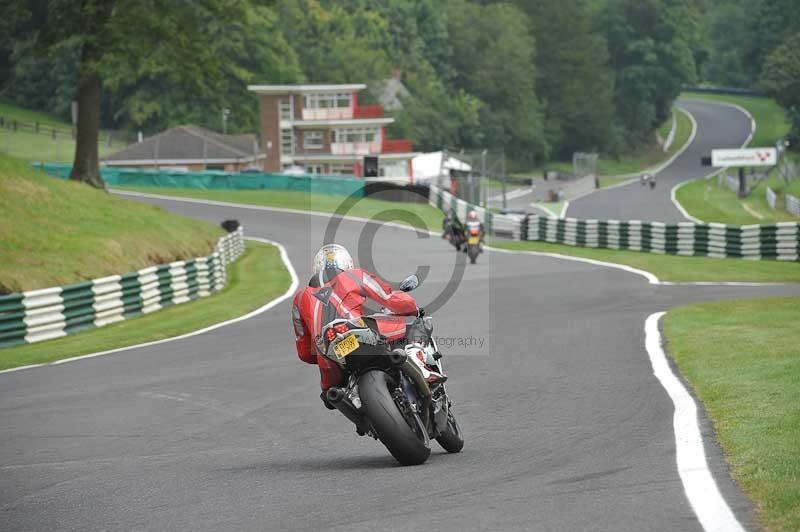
(312, 140)
(342, 169)
(286, 110)
(315, 169)
(362, 134)
(287, 141)
(326, 101)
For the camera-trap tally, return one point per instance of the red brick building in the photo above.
(324, 130)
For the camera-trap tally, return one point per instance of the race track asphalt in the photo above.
(566, 427)
(718, 126)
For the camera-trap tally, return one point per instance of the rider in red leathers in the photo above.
(339, 290)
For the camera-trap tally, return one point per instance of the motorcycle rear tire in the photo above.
(451, 438)
(473, 253)
(406, 445)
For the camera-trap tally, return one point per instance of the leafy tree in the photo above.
(493, 58)
(652, 50)
(334, 46)
(123, 38)
(253, 51)
(575, 83)
(781, 80)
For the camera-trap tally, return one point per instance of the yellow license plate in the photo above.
(473, 240)
(346, 346)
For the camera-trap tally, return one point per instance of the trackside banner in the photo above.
(745, 157)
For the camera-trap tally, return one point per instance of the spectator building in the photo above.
(323, 130)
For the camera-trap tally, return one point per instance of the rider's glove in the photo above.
(420, 312)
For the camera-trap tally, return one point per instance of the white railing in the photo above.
(355, 148)
(328, 113)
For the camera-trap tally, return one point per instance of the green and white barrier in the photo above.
(48, 313)
(780, 241)
(495, 224)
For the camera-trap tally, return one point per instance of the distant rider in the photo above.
(472, 222)
(451, 224)
(339, 290)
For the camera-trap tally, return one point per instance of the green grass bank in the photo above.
(673, 267)
(742, 358)
(55, 232)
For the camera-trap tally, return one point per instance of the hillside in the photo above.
(54, 232)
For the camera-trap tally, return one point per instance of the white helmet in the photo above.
(472, 215)
(332, 256)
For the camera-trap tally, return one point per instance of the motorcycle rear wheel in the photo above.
(410, 446)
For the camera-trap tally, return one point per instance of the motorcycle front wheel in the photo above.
(473, 251)
(403, 435)
(451, 438)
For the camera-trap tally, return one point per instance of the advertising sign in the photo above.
(745, 157)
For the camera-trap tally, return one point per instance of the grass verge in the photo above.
(743, 362)
(674, 267)
(55, 232)
(419, 215)
(31, 146)
(257, 277)
(707, 200)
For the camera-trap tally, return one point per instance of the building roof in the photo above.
(430, 165)
(189, 143)
(299, 89)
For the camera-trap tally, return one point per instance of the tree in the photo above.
(574, 82)
(781, 80)
(493, 58)
(125, 37)
(652, 46)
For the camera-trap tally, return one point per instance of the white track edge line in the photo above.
(267, 306)
(652, 279)
(675, 188)
(701, 490)
(268, 208)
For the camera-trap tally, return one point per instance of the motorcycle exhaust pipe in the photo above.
(338, 398)
(397, 358)
(400, 359)
(335, 395)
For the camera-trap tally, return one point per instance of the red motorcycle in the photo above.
(387, 395)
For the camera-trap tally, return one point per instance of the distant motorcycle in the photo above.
(453, 235)
(386, 395)
(648, 179)
(473, 240)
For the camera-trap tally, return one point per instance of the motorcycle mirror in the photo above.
(409, 283)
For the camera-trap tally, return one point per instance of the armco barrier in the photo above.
(792, 205)
(39, 315)
(495, 224)
(772, 198)
(212, 179)
(779, 241)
